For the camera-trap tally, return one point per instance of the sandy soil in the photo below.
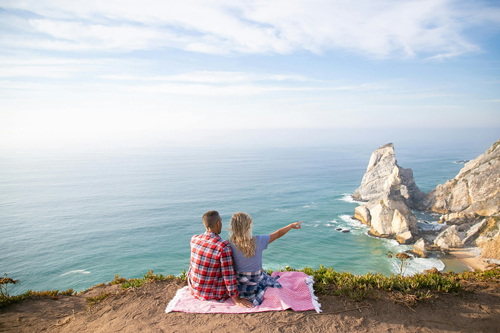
(476, 309)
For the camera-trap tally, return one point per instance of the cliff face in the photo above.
(389, 190)
(469, 203)
(380, 168)
(474, 191)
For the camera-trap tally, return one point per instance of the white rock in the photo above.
(473, 232)
(419, 248)
(448, 238)
(404, 238)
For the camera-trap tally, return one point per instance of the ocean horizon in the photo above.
(76, 219)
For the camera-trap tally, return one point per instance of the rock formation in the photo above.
(474, 191)
(448, 239)
(419, 248)
(473, 233)
(380, 168)
(469, 203)
(384, 187)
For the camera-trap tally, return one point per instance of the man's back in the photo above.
(211, 273)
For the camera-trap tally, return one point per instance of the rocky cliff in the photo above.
(380, 168)
(390, 191)
(474, 192)
(469, 203)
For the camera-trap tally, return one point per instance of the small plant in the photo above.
(147, 278)
(400, 261)
(91, 301)
(69, 292)
(118, 279)
(4, 286)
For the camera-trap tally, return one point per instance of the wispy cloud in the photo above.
(239, 89)
(431, 28)
(19, 66)
(210, 77)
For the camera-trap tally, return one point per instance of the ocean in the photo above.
(76, 219)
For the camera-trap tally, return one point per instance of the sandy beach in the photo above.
(467, 257)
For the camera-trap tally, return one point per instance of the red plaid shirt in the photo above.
(211, 273)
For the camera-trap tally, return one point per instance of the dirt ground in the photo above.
(476, 309)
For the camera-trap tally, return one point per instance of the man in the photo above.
(211, 273)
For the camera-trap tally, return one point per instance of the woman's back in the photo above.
(252, 264)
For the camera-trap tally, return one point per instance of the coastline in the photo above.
(468, 258)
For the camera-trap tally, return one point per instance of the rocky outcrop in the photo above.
(448, 239)
(380, 168)
(387, 212)
(475, 190)
(419, 248)
(473, 233)
(459, 218)
(489, 238)
(465, 202)
(472, 196)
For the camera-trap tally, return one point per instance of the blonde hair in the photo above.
(240, 234)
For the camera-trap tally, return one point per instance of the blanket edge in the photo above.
(314, 298)
(171, 305)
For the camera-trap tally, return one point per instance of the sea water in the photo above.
(73, 220)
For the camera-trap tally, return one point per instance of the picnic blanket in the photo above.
(297, 293)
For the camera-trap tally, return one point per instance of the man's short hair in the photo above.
(210, 219)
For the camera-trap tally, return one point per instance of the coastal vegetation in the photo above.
(7, 284)
(407, 290)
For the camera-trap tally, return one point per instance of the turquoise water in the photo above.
(72, 220)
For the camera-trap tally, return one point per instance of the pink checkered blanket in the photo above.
(297, 293)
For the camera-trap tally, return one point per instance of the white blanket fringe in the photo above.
(175, 300)
(310, 282)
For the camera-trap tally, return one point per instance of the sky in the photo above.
(95, 72)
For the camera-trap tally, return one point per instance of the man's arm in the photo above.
(230, 280)
(281, 232)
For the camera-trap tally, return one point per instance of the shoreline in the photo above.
(468, 258)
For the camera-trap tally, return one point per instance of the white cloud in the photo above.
(210, 77)
(240, 89)
(22, 65)
(432, 28)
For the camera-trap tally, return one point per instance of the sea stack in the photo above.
(390, 191)
(380, 168)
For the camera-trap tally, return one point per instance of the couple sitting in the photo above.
(220, 269)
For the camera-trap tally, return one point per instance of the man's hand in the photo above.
(243, 302)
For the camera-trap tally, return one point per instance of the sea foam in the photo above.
(418, 265)
(78, 271)
(348, 198)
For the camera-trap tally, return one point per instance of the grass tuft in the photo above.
(91, 301)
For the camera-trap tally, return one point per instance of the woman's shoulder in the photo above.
(261, 236)
(262, 239)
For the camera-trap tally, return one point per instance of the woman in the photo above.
(247, 257)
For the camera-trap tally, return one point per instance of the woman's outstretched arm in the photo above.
(278, 233)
